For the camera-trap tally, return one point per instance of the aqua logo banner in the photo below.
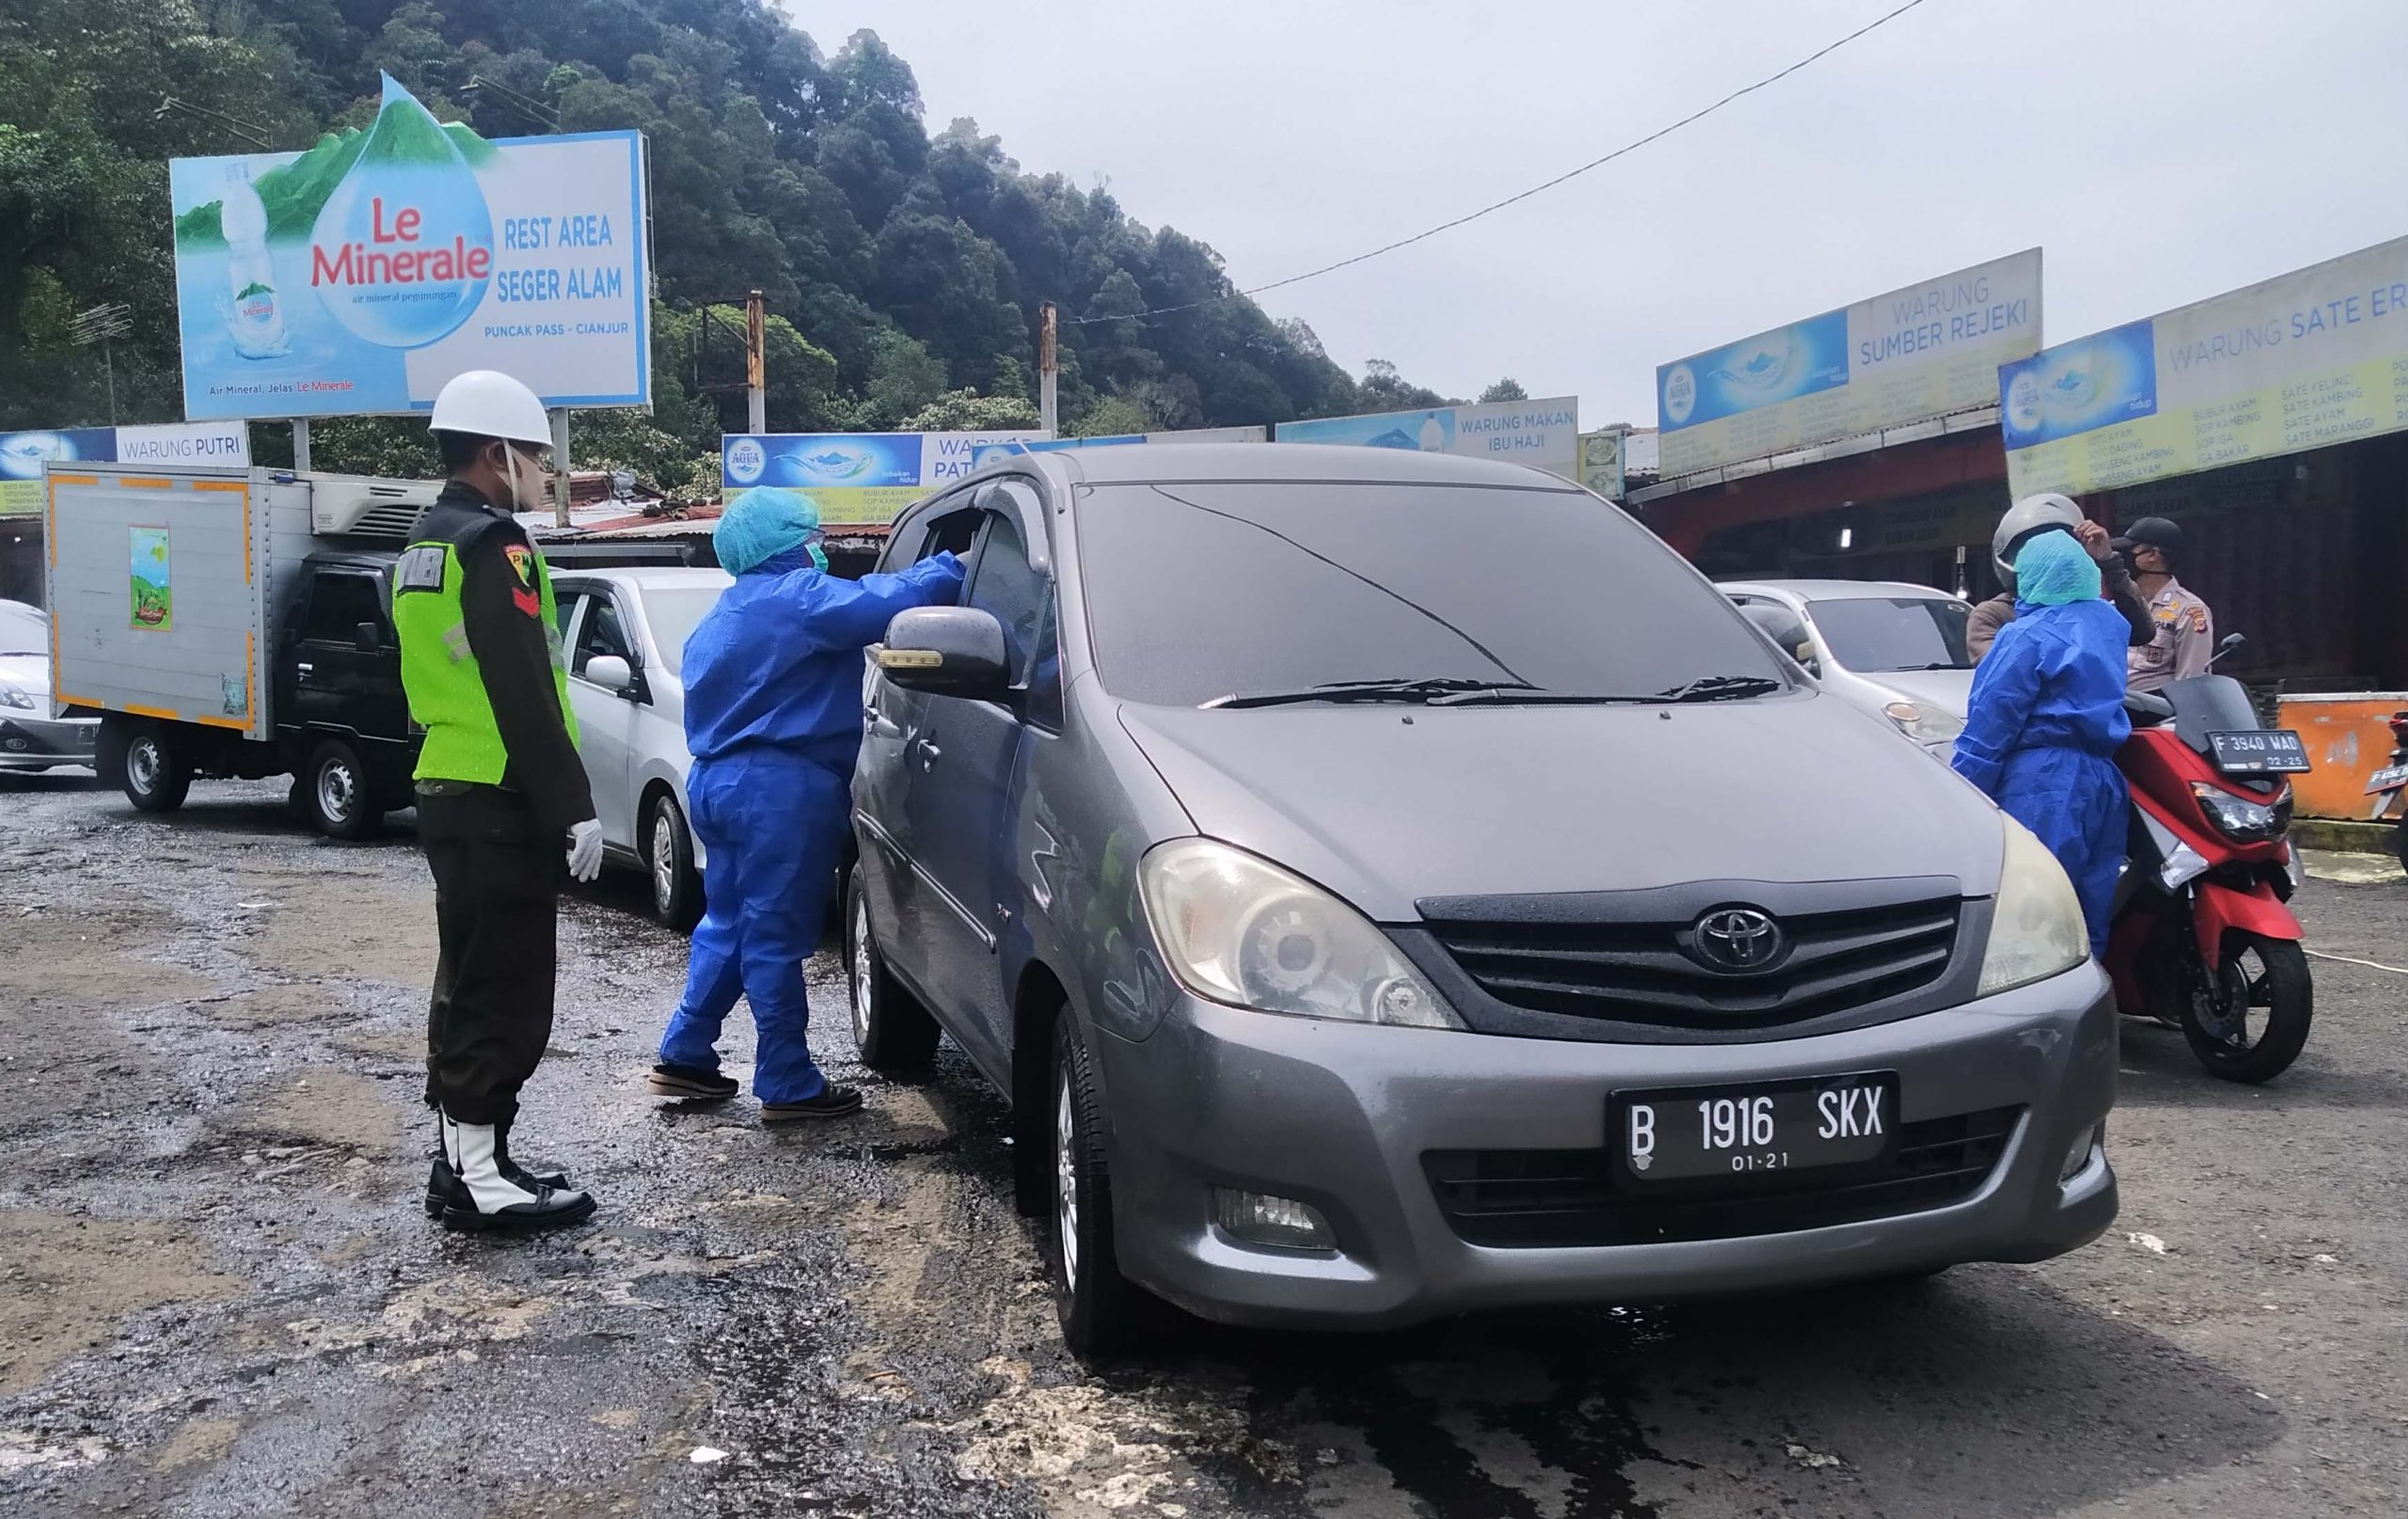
(1928, 349)
(860, 476)
(360, 275)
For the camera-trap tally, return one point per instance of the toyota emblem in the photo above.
(1738, 939)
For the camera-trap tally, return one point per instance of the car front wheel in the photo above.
(669, 855)
(896, 1034)
(1098, 1307)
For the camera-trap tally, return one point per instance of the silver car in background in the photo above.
(1894, 649)
(1364, 930)
(33, 735)
(624, 632)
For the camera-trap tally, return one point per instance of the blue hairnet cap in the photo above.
(760, 524)
(2055, 570)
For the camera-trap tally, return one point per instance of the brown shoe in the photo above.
(833, 1102)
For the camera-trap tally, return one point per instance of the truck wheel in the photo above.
(669, 855)
(337, 795)
(153, 770)
(896, 1034)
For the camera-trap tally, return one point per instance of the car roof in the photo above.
(1834, 589)
(1149, 463)
(651, 577)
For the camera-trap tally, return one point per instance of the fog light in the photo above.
(1261, 1219)
(2078, 1154)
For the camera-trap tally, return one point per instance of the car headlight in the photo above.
(15, 696)
(1924, 724)
(1240, 930)
(2241, 820)
(2036, 926)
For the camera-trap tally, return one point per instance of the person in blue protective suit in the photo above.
(773, 720)
(2047, 717)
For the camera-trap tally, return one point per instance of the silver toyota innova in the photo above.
(1388, 885)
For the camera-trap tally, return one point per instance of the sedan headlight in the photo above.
(2241, 820)
(2036, 926)
(1240, 930)
(1924, 724)
(15, 696)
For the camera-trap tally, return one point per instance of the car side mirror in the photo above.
(611, 672)
(367, 638)
(947, 651)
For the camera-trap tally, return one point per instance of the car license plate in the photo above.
(2387, 780)
(1685, 1134)
(2264, 752)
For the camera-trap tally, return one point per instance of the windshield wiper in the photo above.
(1720, 688)
(1416, 692)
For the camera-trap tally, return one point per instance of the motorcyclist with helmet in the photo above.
(2039, 514)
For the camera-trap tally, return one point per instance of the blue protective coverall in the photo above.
(2046, 717)
(773, 720)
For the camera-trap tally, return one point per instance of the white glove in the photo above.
(585, 850)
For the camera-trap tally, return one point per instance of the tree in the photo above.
(967, 411)
(1508, 388)
(1384, 390)
(903, 376)
(1115, 416)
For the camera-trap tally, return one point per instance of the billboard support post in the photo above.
(1048, 370)
(301, 445)
(756, 363)
(560, 466)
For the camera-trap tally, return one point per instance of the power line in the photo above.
(1660, 133)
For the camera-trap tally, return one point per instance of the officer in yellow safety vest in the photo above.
(501, 793)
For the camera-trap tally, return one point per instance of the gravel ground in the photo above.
(219, 1296)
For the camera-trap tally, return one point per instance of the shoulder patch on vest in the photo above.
(419, 569)
(521, 559)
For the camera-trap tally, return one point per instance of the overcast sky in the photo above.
(2159, 150)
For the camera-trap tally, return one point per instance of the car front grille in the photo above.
(1533, 1197)
(1644, 973)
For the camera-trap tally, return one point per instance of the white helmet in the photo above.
(2033, 514)
(489, 403)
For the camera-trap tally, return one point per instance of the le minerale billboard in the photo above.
(1543, 434)
(1926, 351)
(2311, 358)
(361, 274)
(23, 454)
(859, 477)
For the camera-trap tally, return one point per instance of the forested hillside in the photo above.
(903, 268)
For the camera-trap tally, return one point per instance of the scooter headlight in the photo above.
(2239, 818)
(1241, 930)
(2035, 925)
(1924, 724)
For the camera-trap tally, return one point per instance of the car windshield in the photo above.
(23, 630)
(672, 612)
(1872, 634)
(1248, 594)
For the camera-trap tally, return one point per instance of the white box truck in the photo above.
(236, 623)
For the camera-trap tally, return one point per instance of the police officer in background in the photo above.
(2183, 636)
(500, 795)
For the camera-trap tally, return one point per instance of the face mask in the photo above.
(526, 478)
(819, 558)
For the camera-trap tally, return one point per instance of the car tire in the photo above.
(669, 859)
(1100, 1310)
(337, 796)
(151, 767)
(896, 1035)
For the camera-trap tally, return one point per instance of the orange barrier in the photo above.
(2349, 737)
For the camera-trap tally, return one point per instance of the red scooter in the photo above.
(2203, 936)
(2387, 784)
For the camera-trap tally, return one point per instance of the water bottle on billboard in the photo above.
(256, 317)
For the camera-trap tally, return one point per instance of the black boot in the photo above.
(441, 1179)
(481, 1197)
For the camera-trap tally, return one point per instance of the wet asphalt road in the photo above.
(219, 1296)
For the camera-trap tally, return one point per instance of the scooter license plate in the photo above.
(2260, 751)
(1691, 1133)
(2391, 779)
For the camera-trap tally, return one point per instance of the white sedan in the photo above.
(33, 734)
(625, 631)
(1894, 649)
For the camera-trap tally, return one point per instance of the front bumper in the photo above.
(29, 742)
(1341, 1116)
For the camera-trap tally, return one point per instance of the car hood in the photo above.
(1950, 690)
(1386, 806)
(28, 672)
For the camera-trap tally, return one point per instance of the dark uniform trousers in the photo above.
(496, 893)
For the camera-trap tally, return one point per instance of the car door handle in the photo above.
(927, 750)
(880, 725)
(303, 669)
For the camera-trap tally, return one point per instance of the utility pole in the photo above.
(301, 445)
(1048, 370)
(757, 363)
(103, 324)
(560, 466)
